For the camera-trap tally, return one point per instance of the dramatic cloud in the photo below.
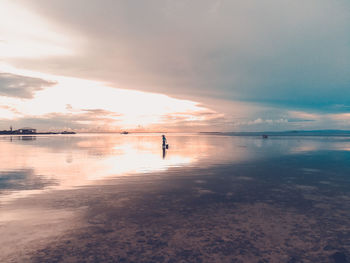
(283, 52)
(92, 120)
(12, 85)
(257, 64)
(80, 121)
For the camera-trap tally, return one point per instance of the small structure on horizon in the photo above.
(30, 131)
(68, 132)
(265, 136)
(27, 130)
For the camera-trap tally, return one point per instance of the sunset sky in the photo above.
(161, 65)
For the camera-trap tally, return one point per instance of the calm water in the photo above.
(207, 198)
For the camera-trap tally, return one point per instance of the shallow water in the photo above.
(112, 197)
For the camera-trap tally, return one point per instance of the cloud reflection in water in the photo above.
(64, 162)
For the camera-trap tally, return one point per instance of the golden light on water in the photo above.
(66, 162)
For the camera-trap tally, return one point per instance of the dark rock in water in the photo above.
(140, 233)
(339, 257)
(329, 247)
(294, 260)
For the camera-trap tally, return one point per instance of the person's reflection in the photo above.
(164, 146)
(164, 153)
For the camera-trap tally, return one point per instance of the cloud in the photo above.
(100, 112)
(81, 120)
(280, 52)
(93, 120)
(260, 121)
(202, 120)
(280, 64)
(18, 86)
(299, 120)
(9, 108)
(24, 179)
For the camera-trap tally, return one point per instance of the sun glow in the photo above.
(95, 104)
(68, 102)
(18, 26)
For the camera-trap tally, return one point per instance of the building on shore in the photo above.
(26, 130)
(30, 131)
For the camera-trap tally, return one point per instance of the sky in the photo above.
(186, 66)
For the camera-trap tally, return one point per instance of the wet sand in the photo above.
(287, 209)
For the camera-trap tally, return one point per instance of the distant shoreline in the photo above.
(321, 133)
(32, 133)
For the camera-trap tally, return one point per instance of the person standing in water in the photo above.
(164, 141)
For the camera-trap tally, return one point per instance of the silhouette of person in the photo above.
(164, 141)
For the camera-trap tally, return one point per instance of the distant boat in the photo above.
(265, 136)
(124, 132)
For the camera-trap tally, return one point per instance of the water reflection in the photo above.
(164, 153)
(253, 191)
(27, 138)
(19, 137)
(23, 179)
(62, 162)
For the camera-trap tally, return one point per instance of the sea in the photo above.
(207, 198)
